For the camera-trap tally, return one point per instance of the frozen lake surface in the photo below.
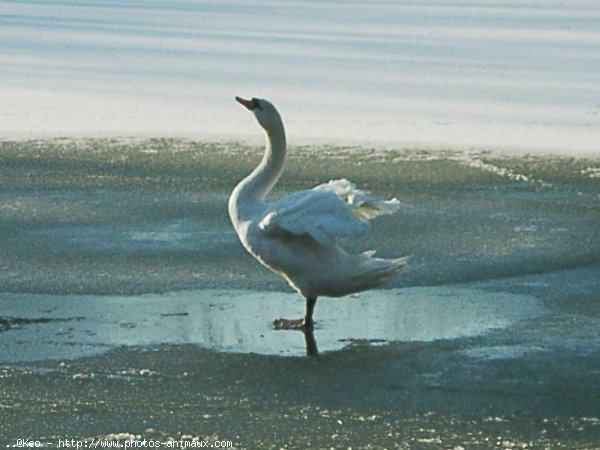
(483, 74)
(129, 308)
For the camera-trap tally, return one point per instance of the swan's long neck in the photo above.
(257, 185)
(262, 179)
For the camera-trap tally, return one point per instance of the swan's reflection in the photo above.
(309, 336)
(311, 342)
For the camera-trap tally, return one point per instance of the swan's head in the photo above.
(264, 111)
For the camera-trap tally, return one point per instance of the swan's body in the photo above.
(296, 236)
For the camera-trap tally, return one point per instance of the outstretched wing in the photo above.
(331, 210)
(363, 206)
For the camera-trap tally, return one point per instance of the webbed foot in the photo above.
(297, 324)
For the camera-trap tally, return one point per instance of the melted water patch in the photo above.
(241, 321)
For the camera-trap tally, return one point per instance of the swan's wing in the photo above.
(363, 206)
(320, 214)
(330, 210)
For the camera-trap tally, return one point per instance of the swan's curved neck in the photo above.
(257, 185)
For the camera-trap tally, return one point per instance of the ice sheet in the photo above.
(519, 74)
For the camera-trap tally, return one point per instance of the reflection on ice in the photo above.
(241, 321)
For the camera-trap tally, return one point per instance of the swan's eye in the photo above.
(255, 104)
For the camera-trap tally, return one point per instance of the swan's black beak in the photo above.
(247, 103)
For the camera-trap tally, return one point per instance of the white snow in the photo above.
(517, 74)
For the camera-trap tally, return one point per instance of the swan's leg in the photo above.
(306, 323)
(310, 308)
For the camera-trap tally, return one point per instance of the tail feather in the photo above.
(376, 271)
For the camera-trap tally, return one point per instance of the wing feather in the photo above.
(329, 211)
(320, 214)
(364, 206)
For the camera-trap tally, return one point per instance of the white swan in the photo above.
(296, 236)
